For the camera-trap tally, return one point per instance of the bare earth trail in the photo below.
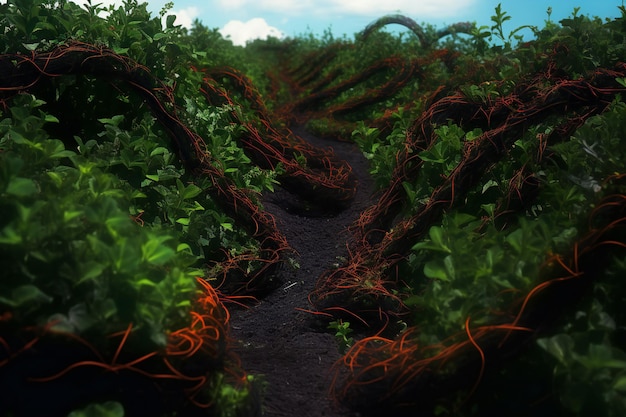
(274, 338)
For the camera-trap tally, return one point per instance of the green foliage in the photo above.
(216, 124)
(72, 254)
(470, 273)
(231, 401)
(475, 264)
(381, 152)
(102, 226)
(445, 152)
(588, 345)
(596, 149)
(342, 331)
(107, 409)
(585, 350)
(134, 144)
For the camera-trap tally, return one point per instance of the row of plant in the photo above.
(92, 289)
(133, 152)
(498, 233)
(130, 215)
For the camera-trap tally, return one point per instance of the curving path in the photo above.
(274, 338)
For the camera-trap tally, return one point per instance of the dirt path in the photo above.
(280, 342)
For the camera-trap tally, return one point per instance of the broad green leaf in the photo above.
(601, 356)
(124, 254)
(435, 270)
(169, 21)
(432, 156)
(196, 206)
(160, 150)
(98, 246)
(412, 301)
(488, 185)
(461, 219)
(448, 262)
(183, 247)
(191, 191)
(91, 270)
(62, 154)
(106, 409)
(145, 282)
(56, 178)
(196, 273)
(476, 133)
(115, 120)
(489, 209)
(620, 384)
(69, 216)
(409, 190)
(51, 119)
(30, 46)
(22, 187)
(9, 236)
(117, 224)
(427, 245)
(436, 236)
(559, 346)
(515, 239)
(138, 194)
(168, 173)
(26, 294)
(155, 252)
(502, 282)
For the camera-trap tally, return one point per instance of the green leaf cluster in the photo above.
(342, 331)
(72, 255)
(463, 271)
(101, 225)
(106, 409)
(584, 351)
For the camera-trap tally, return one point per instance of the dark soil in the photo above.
(289, 348)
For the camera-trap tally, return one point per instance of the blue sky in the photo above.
(249, 19)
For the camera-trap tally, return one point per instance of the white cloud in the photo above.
(240, 32)
(418, 9)
(185, 17)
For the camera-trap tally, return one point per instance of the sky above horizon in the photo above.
(243, 20)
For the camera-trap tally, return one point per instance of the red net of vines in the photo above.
(193, 353)
(313, 174)
(45, 364)
(405, 372)
(379, 243)
(23, 72)
(383, 373)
